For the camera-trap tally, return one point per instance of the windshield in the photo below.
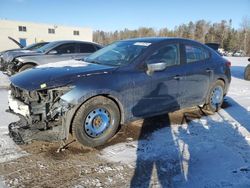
(118, 53)
(47, 47)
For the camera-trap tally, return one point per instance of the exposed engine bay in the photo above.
(39, 111)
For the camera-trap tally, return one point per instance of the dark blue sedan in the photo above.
(124, 81)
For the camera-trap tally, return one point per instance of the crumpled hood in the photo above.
(11, 55)
(57, 74)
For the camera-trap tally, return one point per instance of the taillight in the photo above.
(228, 63)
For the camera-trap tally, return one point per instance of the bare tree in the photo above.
(203, 31)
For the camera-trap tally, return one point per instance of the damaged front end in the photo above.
(42, 114)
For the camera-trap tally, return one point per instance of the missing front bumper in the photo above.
(22, 133)
(34, 123)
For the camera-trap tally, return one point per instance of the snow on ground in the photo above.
(2, 184)
(8, 149)
(67, 63)
(4, 81)
(213, 151)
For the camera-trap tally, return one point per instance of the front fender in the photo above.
(77, 97)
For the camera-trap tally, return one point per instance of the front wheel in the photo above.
(96, 121)
(25, 67)
(215, 97)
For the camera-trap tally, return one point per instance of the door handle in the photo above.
(178, 77)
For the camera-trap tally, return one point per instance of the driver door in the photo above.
(163, 93)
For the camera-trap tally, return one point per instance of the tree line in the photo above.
(222, 32)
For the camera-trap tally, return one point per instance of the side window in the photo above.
(194, 53)
(65, 49)
(168, 54)
(87, 48)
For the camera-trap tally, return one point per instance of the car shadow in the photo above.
(207, 152)
(199, 150)
(148, 160)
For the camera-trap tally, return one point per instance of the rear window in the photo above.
(194, 54)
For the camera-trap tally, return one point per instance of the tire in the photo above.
(215, 97)
(247, 72)
(96, 121)
(25, 67)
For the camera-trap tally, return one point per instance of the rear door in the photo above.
(198, 74)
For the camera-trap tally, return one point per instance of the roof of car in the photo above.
(67, 41)
(157, 39)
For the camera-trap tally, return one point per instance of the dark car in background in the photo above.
(214, 46)
(122, 82)
(23, 50)
(52, 52)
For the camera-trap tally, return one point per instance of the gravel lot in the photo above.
(165, 151)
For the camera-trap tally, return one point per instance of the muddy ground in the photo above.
(79, 166)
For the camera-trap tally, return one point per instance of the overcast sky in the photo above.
(110, 15)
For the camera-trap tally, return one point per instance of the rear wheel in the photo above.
(247, 72)
(25, 67)
(96, 121)
(215, 97)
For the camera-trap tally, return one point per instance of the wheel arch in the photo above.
(222, 79)
(27, 63)
(217, 79)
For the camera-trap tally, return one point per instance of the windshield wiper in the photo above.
(95, 62)
(101, 63)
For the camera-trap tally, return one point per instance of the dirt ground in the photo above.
(78, 166)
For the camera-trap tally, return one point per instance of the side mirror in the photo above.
(152, 67)
(53, 52)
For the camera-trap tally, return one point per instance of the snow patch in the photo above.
(4, 81)
(67, 63)
(8, 149)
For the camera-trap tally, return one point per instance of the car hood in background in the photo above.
(11, 50)
(57, 74)
(15, 41)
(11, 55)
